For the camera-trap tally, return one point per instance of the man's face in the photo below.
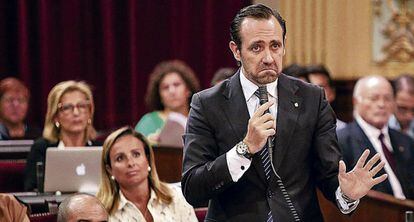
(261, 49)
(323, 81)
(376, 102)
(405, 108)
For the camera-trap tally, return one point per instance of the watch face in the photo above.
(241, 149)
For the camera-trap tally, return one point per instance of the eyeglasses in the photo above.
(12, 100)
(70, 108)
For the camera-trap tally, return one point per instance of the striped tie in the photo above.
(265, 160)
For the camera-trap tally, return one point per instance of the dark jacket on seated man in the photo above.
(38, 154)
(353, 141)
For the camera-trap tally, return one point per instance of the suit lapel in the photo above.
(363, 143)
(235, 108)
(288, 108)
(237, 113)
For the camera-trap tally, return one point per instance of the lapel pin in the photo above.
(401, 148)
(296, 105)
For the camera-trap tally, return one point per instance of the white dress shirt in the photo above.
(238, 165)
(177, 211)
(373, 133)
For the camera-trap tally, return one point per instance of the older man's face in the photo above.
(376, 102)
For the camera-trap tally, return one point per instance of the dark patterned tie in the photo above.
(267, 167)
(387, 153)
(265, 160)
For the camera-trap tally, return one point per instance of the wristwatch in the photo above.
(243, 150)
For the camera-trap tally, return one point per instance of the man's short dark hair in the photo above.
(257, 11)
(222, 74)
(403, 82)
(320, 69)
(297, 71)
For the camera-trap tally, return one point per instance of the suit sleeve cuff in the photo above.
(237, 164)
(345, 206)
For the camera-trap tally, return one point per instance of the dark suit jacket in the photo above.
(306, 153)
(38, 154)
(353, 142)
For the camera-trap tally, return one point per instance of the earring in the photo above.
(113, 178)
(57, 124)
(149, 169)
(89, 121)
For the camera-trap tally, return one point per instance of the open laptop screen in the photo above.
(73, 169)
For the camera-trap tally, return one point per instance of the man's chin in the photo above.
(268, 78)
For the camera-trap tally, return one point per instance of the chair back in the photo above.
(12, 175)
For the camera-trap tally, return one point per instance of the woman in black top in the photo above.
(68, 123)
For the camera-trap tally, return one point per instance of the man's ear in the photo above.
(235, 50)
(284, 46)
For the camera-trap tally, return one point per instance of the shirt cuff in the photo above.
(345, 206)
(237, 164)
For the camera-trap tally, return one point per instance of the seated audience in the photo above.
(130, 188)
(14, 104)
(319, 75)
(68, 123)
(373, 105)
(171, 86)
(221, 75)
(403, 118)
(82, 207)
(11, 209)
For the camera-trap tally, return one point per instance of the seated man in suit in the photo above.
(403, 118)
(373, 105)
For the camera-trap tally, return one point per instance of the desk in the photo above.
(169, 163)
(375, 206)
(15, 149)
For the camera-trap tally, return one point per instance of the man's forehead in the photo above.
(256, 30)
(253, 23)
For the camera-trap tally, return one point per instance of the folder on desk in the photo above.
(171, 134)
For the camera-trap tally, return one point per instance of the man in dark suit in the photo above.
(225, 160)
(373, 105)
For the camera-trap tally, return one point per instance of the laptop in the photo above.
(73, 169)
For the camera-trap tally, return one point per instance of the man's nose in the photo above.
(268, 58)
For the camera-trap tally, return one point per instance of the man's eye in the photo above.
(255, 48)
(119, 158)
(275, 46)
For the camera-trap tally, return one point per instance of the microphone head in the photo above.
(263, 97)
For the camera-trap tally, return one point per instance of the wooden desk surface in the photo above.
(375, 206)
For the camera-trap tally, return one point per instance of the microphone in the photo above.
(263, 98)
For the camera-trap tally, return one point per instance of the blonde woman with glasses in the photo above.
(68, 123)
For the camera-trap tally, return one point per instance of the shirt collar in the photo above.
(124, 201)
(249, 87)
(62, 146)
(370, 131)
